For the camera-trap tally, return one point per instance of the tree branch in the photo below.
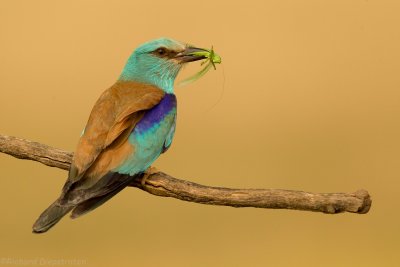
(161, 184)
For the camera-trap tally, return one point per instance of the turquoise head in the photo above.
(158, 62)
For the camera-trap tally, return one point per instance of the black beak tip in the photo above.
(191, 54)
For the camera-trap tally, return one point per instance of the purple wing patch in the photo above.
(157, 113)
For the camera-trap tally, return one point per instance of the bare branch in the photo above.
(161, 184)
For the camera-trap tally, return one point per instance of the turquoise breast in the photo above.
(150, 136)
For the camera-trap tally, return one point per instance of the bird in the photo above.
(130, 126)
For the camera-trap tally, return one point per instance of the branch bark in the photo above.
(161, 184)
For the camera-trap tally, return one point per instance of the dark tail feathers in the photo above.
(106, 189)
(95, 202)
(51, 216)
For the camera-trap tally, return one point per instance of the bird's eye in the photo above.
(161, 51)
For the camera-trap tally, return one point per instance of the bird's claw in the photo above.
(147, 174)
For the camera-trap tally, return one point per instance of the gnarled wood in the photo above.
(161, 184)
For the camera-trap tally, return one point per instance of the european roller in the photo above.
(131, 124)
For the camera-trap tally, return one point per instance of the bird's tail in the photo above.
(51, 216)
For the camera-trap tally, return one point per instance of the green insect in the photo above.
(211, 59)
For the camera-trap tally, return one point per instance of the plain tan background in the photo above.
(311, 101)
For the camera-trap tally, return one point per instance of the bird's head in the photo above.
(158, 62)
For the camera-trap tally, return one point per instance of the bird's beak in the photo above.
(191, 54)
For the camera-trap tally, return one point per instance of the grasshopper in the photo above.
(212, 58)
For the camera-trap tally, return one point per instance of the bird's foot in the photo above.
(147, 174)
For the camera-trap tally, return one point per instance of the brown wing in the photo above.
(115, 113)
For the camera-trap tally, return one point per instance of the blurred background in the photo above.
(307, 98)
